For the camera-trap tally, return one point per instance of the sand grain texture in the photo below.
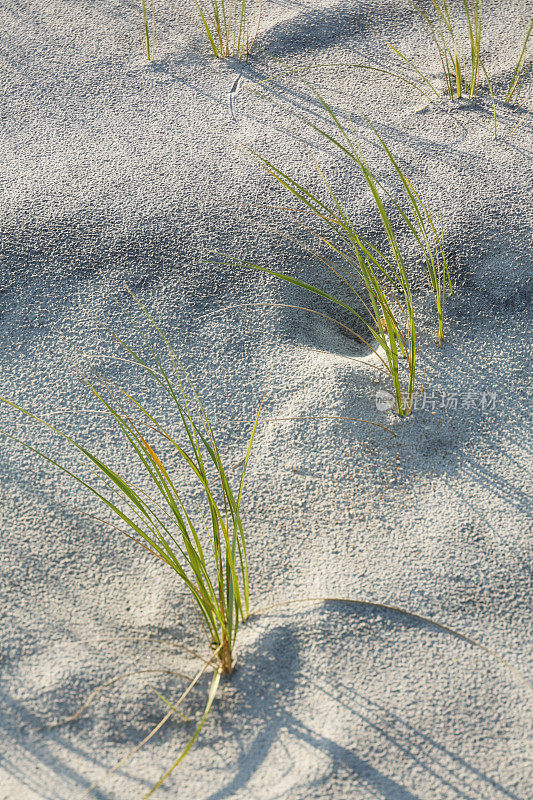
(116, 172)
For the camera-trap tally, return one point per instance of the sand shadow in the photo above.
(276, 672)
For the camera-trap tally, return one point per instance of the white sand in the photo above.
(117, 172)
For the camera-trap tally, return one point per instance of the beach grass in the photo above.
(460, 72)
(227, 25)
(212, 561)
(378, 280)
(380, 288)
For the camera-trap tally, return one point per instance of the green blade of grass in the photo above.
(212, 694)
(519, 66)
(175, 709)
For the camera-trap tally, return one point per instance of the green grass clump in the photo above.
(210, 561)
(460, 73)
(378, 280)
(227, 26)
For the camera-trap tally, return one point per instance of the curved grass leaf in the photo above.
(513, 90)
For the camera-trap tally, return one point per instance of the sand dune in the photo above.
(120, 173)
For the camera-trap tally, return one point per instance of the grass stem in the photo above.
(515, 80)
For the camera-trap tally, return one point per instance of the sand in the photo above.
(120, 173)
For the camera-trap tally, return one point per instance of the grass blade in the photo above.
(212, 694)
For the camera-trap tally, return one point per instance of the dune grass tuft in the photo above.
(378, 280)
(460, 72)
(211, 561)
(227, 25)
